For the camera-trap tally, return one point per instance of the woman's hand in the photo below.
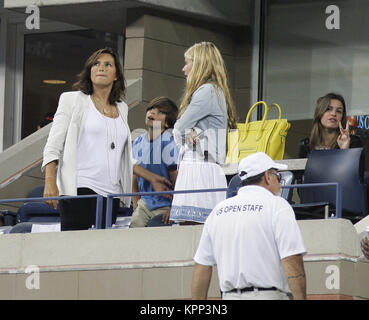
(192, 138)
(51, 190)
(343, 139)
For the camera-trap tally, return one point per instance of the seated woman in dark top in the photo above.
(330, 127)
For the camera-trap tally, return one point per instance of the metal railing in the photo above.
(110, 197)
(99, 203)
(109, 200)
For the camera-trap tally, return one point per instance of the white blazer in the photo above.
(64, 136)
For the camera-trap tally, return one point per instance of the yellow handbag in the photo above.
(268, 136)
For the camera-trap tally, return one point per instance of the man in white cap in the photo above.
(254, 240)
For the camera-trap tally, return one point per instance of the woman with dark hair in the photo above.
(90, 144)
(330, 127)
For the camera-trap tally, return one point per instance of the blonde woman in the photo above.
(330, 127)
(205, 114)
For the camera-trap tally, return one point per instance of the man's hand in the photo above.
(201, 281)
(294, 269)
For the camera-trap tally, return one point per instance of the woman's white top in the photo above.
(98, 164)
(64, 137)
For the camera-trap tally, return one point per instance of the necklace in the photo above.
(103, 109)
(112, 145)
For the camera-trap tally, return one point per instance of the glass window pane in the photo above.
(55, 56)
(305, 60)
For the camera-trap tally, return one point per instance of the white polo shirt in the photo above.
(247, 236)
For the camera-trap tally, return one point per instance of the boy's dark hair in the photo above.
(167, 106)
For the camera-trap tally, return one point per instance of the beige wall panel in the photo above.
(53, 285)
(339, 236)
(136, 117)
(166, 30)
(10, 251)
(62, 250)
(330, 277)
(222, 38)
(156, 278)
(182, 32)
(133, 73)
(7, 285)
(134, 54)
(135, 24)
(163, 57)
(362, 278)
(347, 279)
(187, 273)
(110, 284)
(159, 84)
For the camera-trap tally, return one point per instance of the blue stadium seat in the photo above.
(343, 166)
(287, 178)
(37, 211)
(233, 186)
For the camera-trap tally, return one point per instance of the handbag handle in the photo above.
(248, 118)
(278, 107)
(253, 107)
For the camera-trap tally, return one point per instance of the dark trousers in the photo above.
(80, 214)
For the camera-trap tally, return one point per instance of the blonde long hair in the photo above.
(207, 67)
(316, 136)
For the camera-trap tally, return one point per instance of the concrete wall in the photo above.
(155, 45)
(156, 263)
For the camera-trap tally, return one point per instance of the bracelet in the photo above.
(50, 178)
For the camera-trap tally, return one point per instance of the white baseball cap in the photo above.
(257, 163)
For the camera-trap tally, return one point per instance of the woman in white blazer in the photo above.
(89, 144)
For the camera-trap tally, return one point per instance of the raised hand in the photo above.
(343, 139)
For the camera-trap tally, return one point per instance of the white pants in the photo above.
(256, 295)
